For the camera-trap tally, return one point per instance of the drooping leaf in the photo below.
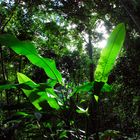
(109, 53)
(47, 64)
(27, 48)
(37, 97)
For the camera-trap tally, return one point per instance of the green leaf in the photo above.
(22, 113)
(23, 79)
(109, 53)
(26, 85)
(48, 65)
(81, 110)
(51, 82)
(106, 88)
(96, 98)
(63, 135)
(36, 97)
(43, 96)
(8, 86)
(86, 87)
(27, 48)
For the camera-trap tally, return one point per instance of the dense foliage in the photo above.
(55, 83)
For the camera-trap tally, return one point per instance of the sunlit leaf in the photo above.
(37, 97)
(51, 82)
(81, 110)
(96, 98)
(110, 53)
(27, 48)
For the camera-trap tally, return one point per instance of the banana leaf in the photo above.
(110, 53)
(27, 49)
(38, 97)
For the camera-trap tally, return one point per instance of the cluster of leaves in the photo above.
(41, 94)
(49, 24)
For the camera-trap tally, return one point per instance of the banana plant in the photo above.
(103, 69)
(105, 65)
(108, 57)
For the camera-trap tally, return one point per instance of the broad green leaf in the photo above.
(37, 97)
(27, 48)
(43, 96)
(86, 87)
(47, 64)
(22, 79)
(110, 53)
(51, 82)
